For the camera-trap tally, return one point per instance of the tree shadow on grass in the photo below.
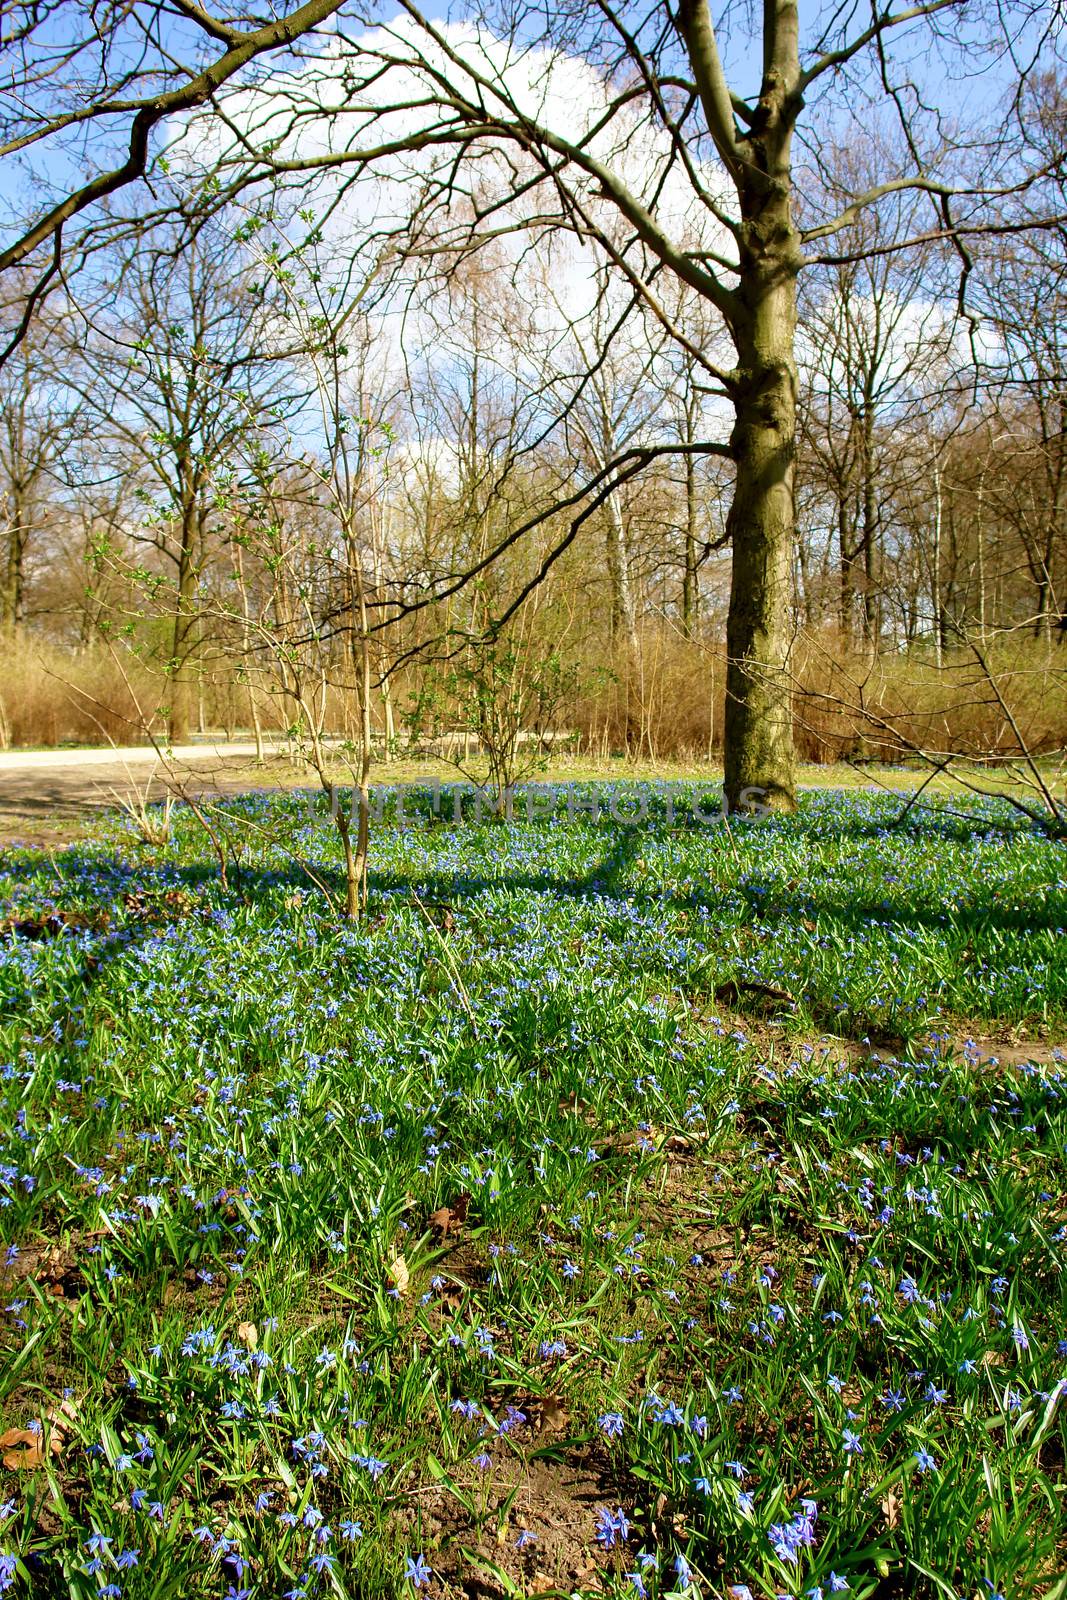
(606, 879)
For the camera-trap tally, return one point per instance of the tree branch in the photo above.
(881, 25)
(698, 31)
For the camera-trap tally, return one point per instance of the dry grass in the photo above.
(52, 696)
(666, 707)
(669, 706)
(850, 707)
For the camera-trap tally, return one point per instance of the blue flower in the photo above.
(612, 1527)
(416, 1571)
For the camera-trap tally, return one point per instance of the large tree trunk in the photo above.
(13, 592)
(846, 602)
(761, 313)
(872, 599)
(623, 620)
(10, 594)
(690, 589)
(758, 742)
(183, 634)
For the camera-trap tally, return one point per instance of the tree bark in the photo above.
(182, 634)
(20, 521)
(12, 597)
(758, 733)
(690, 590)
(623, 621)
(846, 602)
(872, 605)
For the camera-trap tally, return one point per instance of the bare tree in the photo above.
(675, 145)
(320, 572)
(83, 90)
(32, 423)
(1024, 297)
(179, 358)
(876, 340)
(712, 203)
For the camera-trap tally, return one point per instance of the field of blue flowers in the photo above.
(625, 1207)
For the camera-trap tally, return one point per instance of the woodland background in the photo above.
(205, 453)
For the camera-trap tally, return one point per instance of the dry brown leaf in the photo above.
(540, 1583)
(733, 991)
(23, 1451)
(446, 1217)
(627, 1139)
(398, 1271)
(248, 1334)
(891, 1509)
(551, 1413)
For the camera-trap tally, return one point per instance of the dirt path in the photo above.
(47, 796)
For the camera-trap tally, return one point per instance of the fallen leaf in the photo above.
(731, 992)
(446, 1217)
(57, 922)
(891, 1509)
(398, 1271)
(24, 1451)
(248, 1334)
(551, 1413)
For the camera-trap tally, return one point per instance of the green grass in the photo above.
(708, 1259)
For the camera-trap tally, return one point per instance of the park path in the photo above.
(46, 794)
